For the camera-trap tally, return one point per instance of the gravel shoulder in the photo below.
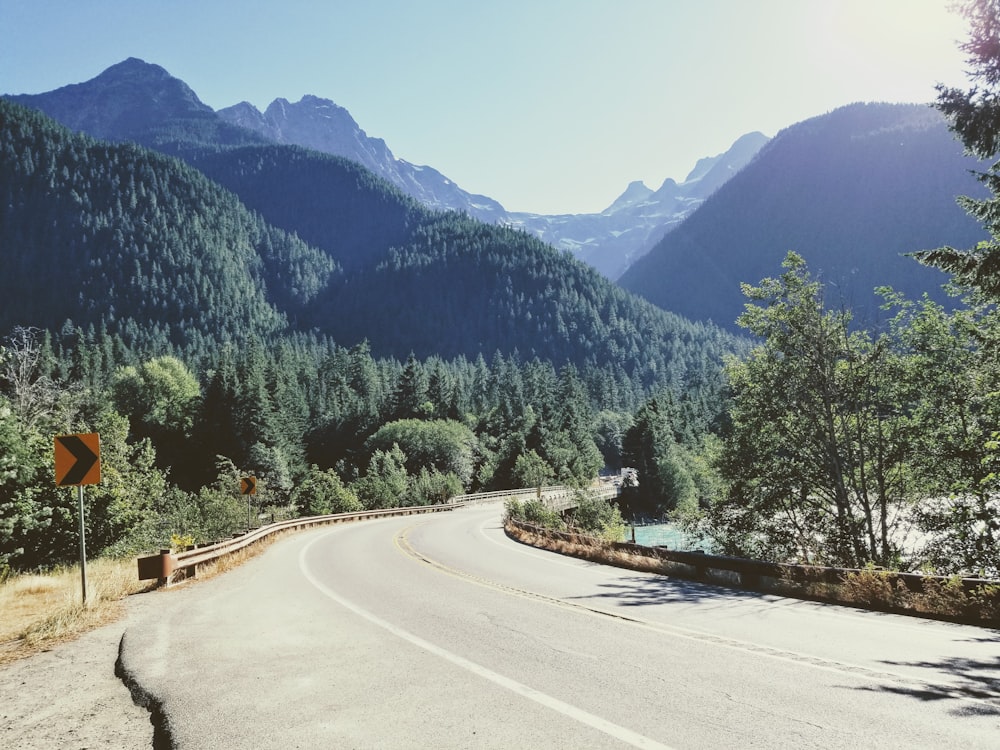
(69, 697)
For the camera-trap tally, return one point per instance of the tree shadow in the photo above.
(640, 591)
(975, 681)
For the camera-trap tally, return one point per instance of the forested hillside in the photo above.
(119, 237)
(150, 244)
(444, 284)
(146, 302)
(852, 192)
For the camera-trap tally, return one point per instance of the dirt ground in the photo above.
(69, 697)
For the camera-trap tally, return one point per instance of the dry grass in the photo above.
(39, 611)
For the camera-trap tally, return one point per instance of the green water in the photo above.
(661, 535)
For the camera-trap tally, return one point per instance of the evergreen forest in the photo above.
(369, 353)
(224, 307)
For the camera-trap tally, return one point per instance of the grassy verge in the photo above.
(39, 611)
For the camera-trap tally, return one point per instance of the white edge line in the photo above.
(577, 714)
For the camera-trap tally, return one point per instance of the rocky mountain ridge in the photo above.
(610, 240)
(139, 101)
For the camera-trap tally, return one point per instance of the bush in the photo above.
(599, 517)
(323, 493)
(433, 487)
(881, 589)
(878, 589)
(513, 510)
(538, 513)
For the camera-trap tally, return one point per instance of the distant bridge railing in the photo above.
(558, 498)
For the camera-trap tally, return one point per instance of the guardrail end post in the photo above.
(158, 566)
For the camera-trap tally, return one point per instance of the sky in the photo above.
(548, 106)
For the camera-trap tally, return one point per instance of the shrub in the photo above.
(433, 487)
(538, 513)
(322, 493)
(875, 588)
(599, 517)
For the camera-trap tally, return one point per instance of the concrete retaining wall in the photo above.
(969, 600)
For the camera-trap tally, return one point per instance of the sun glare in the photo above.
(899, 48)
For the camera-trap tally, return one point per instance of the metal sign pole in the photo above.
(83, 545)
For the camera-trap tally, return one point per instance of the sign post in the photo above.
(248, 487)
(78, 462)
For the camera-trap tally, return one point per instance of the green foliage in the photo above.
(649, 446)
(160, 395)
(533, 511)
(385, 483)
(432, 487)
(974, 116)
(322, 492)
(610, 428)
(443, 445)
(129, 483)
(594, 515)
(220, 512)
(531, 470)
(817, 461)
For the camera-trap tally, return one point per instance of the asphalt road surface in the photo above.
(438, 631)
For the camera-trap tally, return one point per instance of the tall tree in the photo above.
(974, 116)
(817, 459)
(409, 398)
(648, 446)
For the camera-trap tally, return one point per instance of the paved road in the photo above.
(438, 631)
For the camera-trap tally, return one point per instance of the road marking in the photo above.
(573, 712)
(957, 692)
(816, 609)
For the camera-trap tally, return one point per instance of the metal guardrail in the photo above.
(166, 564)
(557, 497)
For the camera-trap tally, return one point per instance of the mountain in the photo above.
(321, 125)
(271, 241)
(141, 102)
(851, 191)
(610, 241)
(640, 217)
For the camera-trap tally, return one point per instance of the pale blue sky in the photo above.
(548, 106)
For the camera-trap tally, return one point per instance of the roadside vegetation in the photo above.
(592, 515)
(826, 442)
(40, 610)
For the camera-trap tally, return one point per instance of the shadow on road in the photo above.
(953, 678)
(638, 591)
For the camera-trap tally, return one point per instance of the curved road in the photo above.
(438, 631)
